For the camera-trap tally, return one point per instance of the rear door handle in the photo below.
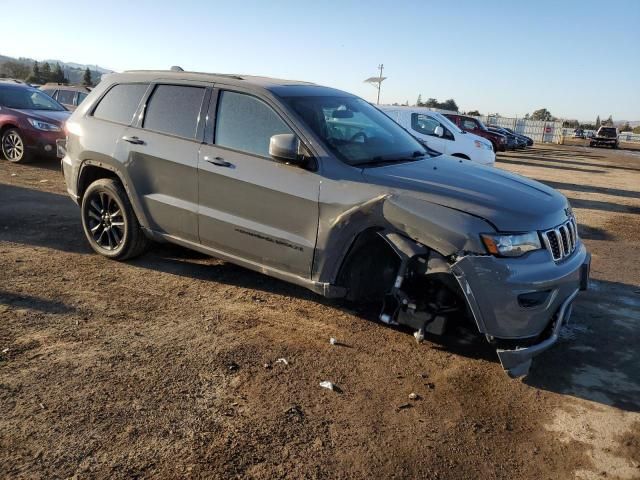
(219, 161)
(134, 140)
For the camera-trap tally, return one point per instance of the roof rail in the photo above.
(225, 75)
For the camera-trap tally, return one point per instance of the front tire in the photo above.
(109, 222)
(13, 146)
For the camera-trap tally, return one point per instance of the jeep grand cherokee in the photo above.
(317, 187)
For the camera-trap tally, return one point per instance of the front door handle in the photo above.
(219, 161)
(134, 140)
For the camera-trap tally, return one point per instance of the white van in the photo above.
(441, 134)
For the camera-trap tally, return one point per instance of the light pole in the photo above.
(377, 81)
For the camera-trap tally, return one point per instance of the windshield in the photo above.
(607, 132)
(27, 99)
(355, 131)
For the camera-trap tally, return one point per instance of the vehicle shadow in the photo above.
(597, 357)
(21, 300)
(511, 161)
(616, 192)
(39, 218)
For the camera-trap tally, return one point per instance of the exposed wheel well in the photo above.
(369, 268)
(461, 155)
(90, 174)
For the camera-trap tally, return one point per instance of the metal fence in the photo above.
(539, 131)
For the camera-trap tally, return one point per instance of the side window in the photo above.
(245, 123)
(424, 124)
(66, 96)
(51, 93)
(81, 97)
(120, 103)
(174, 109)
(468, 124)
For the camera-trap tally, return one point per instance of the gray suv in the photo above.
(317, 187)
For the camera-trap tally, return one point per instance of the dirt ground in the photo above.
(168, 366)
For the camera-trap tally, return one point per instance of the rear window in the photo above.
(120, 103)
(174, 109)
(66, 96)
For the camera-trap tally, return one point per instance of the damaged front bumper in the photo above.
(517, 362)
(521, 302)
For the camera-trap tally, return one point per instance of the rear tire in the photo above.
(13, 146)
(109, 222)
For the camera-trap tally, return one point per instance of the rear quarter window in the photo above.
(120, 103)
(174, 109)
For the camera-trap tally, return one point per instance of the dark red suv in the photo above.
(30, 122)
(470, 124)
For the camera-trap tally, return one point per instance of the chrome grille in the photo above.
(562, 240)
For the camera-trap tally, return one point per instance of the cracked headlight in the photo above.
(40, 125)
(514, 245)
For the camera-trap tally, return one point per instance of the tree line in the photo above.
(41, 73)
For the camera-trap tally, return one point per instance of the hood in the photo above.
(510, 202)
(58, 117)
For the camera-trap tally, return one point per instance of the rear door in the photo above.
(162, 151)
(251, 205)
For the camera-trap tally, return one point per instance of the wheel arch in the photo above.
(92, 170)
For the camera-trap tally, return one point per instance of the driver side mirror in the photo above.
(438, 131)
(285, 147)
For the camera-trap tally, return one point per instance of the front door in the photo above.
(250, 205)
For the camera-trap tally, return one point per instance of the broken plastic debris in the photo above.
(333, 341)
(419, 334)
(282, 360)
(327, 384)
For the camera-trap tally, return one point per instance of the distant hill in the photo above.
(74, 72)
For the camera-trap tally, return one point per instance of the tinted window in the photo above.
(246, 123)
(50, 92)
(174, 109)
(66, 97)
(424, 124)
(81, 97)
(120, 103)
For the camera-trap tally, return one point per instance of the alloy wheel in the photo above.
(12, 146)
(105, 221)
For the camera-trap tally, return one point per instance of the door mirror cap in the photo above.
(285, 148)
(439, 131)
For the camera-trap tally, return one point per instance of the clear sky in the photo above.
(578, 59)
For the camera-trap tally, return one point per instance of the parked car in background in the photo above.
(513, 141)
(472, 125)
(68, 95)
(30, 122)
(606, 136)
(528, 140)
(578, 133)
(318, 187)
(441, 134)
